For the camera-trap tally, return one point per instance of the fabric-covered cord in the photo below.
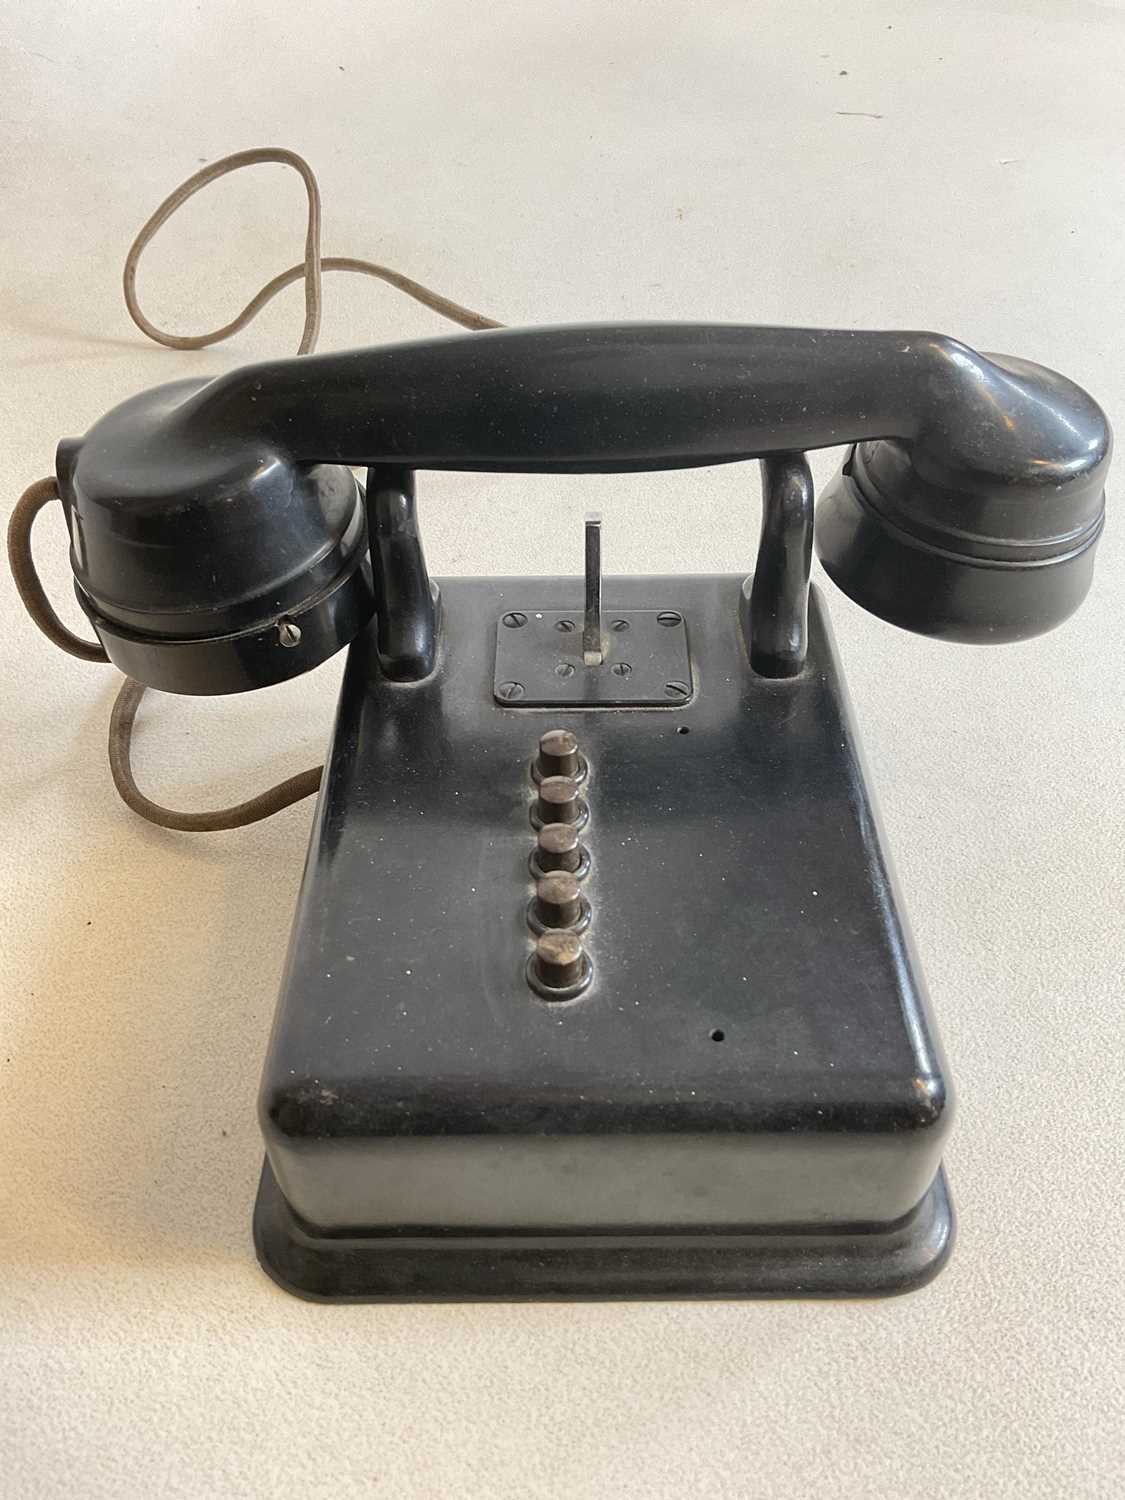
(22, 563)
(284, 794)
(26, 579)
(310, 268)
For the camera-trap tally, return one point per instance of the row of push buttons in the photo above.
(559, 968)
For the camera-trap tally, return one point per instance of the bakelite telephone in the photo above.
(598, 983)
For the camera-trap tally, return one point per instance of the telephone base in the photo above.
(600, 1267)
(743, 1097)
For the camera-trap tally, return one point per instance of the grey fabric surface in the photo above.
(894, 165)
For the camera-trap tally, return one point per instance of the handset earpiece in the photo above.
(215, 566)
(984, 534)
(219, 538)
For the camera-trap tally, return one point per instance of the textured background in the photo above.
(545, 163)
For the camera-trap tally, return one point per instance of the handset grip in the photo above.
(607, 398)
(211, 520)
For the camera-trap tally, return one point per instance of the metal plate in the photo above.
(539, 660)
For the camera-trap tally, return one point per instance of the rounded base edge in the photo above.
(732, 1265)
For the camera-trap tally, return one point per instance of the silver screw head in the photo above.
(288, 634)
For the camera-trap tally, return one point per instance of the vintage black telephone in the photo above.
(598, 985)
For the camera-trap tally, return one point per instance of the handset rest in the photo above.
(970, 507)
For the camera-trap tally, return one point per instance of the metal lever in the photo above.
(593, 646)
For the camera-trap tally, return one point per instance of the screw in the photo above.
(558, 800)
(558, 751)
(621, 669)
(510, 691)
(288, 634)
(566, 626)
(669, 617)
(676, 690)
(557, 900)
(559, 962)
(565, 669)
(513, 619)
(558, 847)
(619, 625)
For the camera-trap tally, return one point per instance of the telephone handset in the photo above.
(598, 983)
(205, 515)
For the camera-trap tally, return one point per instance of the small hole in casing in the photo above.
(718, 1034)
